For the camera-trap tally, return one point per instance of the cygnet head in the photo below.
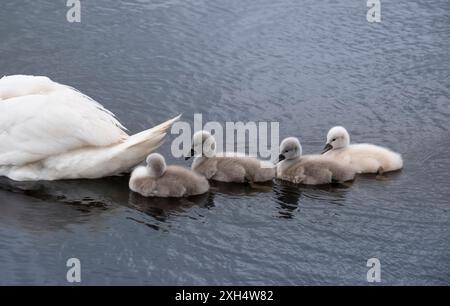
(290, 148)
(337, 138)
(156, 165)
(203, 144)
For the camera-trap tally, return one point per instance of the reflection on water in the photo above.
(288, 199)
(89, 195)
(162, 208)
(236, 189)
(308, 65)
(83, 194)
(289, 195)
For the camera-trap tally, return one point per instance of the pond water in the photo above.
(305, 64)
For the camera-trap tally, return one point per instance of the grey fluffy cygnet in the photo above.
(227, 167)
(158, 180)
(363, 157)
(309, 169)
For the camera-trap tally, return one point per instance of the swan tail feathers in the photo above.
(137, 147)
(152, 137)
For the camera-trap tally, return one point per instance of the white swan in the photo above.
(158, 180)
(49, 131)
(364, 158)
(227, 167)
(309, 169)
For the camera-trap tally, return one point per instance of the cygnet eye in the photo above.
(333, 139)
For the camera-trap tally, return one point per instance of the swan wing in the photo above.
(40, 118)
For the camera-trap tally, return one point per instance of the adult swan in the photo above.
(49, 131)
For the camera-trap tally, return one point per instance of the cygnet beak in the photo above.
(192, 153)
(281, 157)
(327, 148)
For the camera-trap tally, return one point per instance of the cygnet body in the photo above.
(158, 180)
(227, 167)
(309, 169)
(364, 158)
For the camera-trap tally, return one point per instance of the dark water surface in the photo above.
(307, 64)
